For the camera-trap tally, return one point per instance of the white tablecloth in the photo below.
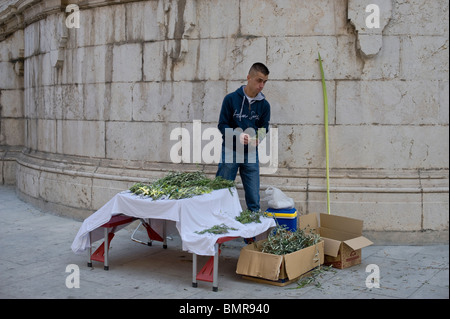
(190, 214)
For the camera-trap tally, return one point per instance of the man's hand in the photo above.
(244, 138)
(247, 139)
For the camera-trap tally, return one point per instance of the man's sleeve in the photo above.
(226, 115)
(265, 119)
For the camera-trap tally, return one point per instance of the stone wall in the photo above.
(88, 111)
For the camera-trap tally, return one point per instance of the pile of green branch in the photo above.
(216, 229)
(178, 185)
(248, 216)
(313, 276)
(282, 241)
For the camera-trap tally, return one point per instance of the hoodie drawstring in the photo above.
(258, 97)
(242, 106)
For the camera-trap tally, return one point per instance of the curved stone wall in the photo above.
(91, 110)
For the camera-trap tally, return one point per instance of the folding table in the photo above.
(190, 215)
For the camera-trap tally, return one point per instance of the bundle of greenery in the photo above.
(177, 185)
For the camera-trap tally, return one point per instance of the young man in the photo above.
(243, 122)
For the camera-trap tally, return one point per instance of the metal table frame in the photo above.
(102, 253)
(208, 273)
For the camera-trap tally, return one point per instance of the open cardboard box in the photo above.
(342, 236)
(278, 270)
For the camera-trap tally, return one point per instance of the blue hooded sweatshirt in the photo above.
(238, 112)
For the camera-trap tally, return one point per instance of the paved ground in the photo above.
(35, 251)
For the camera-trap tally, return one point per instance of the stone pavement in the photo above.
(35, 251)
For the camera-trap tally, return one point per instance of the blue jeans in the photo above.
(249, 173)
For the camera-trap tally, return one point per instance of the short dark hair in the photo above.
(259, 67)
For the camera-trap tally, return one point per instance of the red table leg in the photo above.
(209, 272)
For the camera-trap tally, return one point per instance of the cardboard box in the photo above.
(342, 236)
(278, 270)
